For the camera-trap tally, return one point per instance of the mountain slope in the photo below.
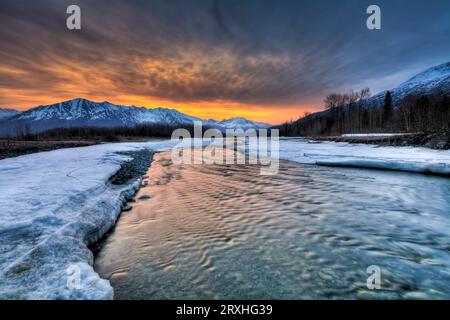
(88, 111)
(433, 80)
(7, 113)
(426, 108)
(241, 123)
(85, 113)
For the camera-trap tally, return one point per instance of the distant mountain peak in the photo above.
(80, 112)
(243, 123)
(76, 102)
(7, 113)
(432, 73)
(432, 80)
(236, 118)
(7, 109)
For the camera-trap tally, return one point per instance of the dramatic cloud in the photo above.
(268, 59)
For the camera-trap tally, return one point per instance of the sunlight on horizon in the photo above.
(204, 110)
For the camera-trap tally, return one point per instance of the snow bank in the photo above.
(410, 159)
(53, 206)
(357, 135)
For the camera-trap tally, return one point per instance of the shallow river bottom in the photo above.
(226, 232)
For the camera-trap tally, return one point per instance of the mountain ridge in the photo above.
(7, 113)
(80, 112)
(432, 80)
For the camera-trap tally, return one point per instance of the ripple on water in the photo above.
(211, 231)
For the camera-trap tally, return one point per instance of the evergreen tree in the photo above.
(387, 108)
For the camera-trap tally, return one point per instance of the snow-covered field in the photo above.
(358, 135)
(410, 159)
(53, 205)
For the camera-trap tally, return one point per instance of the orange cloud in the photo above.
(215, 85)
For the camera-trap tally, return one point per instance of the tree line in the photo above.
(106, 133)
(353, 112)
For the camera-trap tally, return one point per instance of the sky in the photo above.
(266, 60)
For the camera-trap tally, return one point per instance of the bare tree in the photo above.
(333, 100)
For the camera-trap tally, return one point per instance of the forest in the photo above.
(106, 134)
(354, 112)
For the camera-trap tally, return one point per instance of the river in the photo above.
(309, 232)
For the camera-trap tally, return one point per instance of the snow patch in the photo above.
(357, 135)
(408, 159)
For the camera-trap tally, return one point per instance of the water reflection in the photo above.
(226, 232)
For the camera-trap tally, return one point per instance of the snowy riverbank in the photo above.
(326, 153)
(53, 205)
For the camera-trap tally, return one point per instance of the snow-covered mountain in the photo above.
(241, 123)
(84, 113)
(435, 80)
(89, 111)
(7, 113)
(432, 80)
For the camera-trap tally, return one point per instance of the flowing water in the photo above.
(310, 232)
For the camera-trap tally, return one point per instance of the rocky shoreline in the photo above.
(436, 140)
(135, 169)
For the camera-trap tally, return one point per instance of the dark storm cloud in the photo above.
(248, 51)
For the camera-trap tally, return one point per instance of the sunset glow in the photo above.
(210, 59)
(180, 76)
